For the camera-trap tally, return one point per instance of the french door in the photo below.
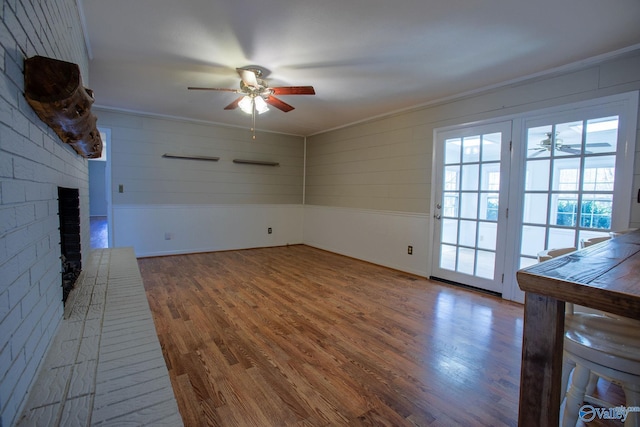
(472, 170)
(546, 180)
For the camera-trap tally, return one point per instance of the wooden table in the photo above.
(606, 277)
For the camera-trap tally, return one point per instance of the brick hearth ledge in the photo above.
(105, 365)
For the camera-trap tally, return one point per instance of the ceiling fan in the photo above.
(256, 93)
(549, 142)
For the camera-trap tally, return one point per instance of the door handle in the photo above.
(439, 206)
(437, 216)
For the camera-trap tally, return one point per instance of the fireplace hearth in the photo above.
(71, 255)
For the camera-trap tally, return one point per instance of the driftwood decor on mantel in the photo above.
(54, 90)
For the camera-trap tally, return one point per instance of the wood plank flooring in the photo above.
(296, 336)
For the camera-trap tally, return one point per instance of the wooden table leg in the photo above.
(541, 370)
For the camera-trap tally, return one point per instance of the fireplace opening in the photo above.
(71, 256)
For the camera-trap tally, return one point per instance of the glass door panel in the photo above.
(472, 186)
(569, 183)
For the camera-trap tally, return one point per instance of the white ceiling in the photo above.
(364, 57)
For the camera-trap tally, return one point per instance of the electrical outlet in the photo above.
(168, 236)
(269, 230)
(410, 250)
(120, 188)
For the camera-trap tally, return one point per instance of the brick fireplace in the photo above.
(71, 256)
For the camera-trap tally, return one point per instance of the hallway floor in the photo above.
(99, 232)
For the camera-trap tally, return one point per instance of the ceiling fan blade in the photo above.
(566, 149)
(275, 102)
(234, 104)
(213, 88)
(592, 144)
(248, 77)
(293, 90)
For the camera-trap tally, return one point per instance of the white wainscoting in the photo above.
(154, 230)
(380, 237)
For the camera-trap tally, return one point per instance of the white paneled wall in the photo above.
(172, 229)
(382, 166)
(139, 141)
(380, 237)
(33, 163)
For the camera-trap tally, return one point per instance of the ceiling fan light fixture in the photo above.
(246, 104)
(261, 105)
(547, 141)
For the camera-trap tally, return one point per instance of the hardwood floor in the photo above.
(296, 336)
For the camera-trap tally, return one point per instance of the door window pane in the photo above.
(568, 139)
(485, 264)
(539, 142)
(466, 260)
(602, 135)
(599, 173)
(467, 233)
(533, 240)
(537, 175)
(448, 257)
(535, 208)
(590, 234)
(469, 205)
(566, 174)
(449, 231)
(489, 206)
(595, 211)
(450, 204)
(564, 210)
(561, 238)
(451, 178)
(470, 181)
(491, 147)
(452, 151)
(471, 149)
(487, 233)
(490, 177)
(526, 262)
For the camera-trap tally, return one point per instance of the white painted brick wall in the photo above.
(33, 163)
